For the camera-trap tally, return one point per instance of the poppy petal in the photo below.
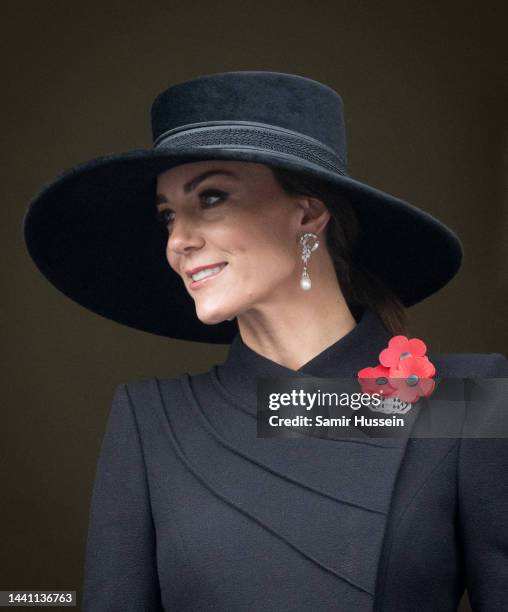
(417, 347)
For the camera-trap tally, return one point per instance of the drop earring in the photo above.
(309, 243)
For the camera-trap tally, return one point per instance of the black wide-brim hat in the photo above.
(92, 230)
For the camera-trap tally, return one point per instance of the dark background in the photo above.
(425, 89)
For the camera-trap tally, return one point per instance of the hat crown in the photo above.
(282, 100)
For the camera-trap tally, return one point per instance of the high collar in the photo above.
(358, 349)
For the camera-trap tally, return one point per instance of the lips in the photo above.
(197, 283)
(199, 268)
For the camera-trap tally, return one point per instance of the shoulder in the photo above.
(488, 365)
(142, 388)
(147, 395)
(146, 405)
(152, 393)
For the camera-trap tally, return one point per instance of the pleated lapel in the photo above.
(328, 500)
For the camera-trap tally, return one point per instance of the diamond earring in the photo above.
(307, 249)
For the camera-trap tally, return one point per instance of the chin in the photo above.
(213, 318)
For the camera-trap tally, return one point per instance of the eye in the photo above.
(212, 193)
(164, 217)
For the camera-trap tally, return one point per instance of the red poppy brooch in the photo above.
(404, 371)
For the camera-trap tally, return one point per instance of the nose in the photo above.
(184, 235)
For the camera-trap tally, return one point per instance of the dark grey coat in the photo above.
(192, 511)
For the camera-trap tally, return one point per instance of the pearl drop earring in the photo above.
(307, 249)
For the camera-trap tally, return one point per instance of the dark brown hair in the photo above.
(361, 288)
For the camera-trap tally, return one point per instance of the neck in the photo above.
(296, 325)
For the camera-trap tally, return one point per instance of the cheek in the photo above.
(263, 264)
(171, 259)
(265, 235)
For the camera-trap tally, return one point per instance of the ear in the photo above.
(314, 215)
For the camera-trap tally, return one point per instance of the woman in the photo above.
(191, 509)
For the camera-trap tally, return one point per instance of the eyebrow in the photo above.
(160, 198)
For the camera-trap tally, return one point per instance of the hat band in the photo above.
(248, 134)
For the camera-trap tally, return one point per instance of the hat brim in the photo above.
(91, 232)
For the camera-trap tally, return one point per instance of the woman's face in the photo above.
(233, 213)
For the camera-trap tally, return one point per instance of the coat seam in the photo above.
(378, 605)
(177, 531)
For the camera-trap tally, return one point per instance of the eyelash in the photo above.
(161, 215)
